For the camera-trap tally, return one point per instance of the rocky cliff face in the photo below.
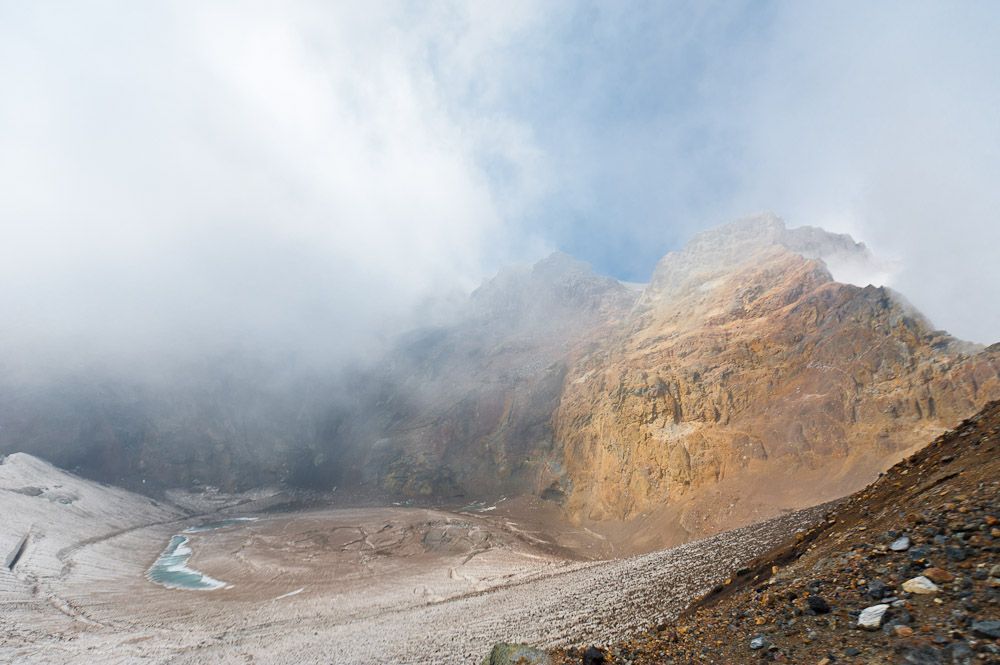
(468, 409)
(746, 380)
(741, 381)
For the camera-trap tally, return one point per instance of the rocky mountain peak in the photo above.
(755, 239)
(557, 290)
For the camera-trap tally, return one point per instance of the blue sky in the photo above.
(185, 171)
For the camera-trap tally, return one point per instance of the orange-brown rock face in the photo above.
(742, 381)
(747, 381)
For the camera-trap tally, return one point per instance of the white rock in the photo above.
(920, 585)
(900, 544)
(871, 617)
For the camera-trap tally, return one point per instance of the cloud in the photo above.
(877, 119)
(184, 174)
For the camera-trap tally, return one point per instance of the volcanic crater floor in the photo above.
(325, 585)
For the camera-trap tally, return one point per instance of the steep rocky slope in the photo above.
(742, 381)
(747, 379)
(468, 409)
(920, 546)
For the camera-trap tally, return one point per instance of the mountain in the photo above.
(468, 409)
(234, 421)
(747, 379)
(742, 381)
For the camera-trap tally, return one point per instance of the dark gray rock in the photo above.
(818, 604)
(593, 656)
(954, 553)
(961, 654)
(878, 589)
(925, 655)
(986, 629)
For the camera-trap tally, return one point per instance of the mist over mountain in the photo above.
(742, 380)
(390, 332)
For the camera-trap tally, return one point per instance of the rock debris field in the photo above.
(337, 585)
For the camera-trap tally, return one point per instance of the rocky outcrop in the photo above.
(745, 368)
(741, 381)
(911, 556)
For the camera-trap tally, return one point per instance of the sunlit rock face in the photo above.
(746, 380)
(741, 381)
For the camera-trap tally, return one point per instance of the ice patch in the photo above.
(479, 507)
(221, 524)
(171, 570)
(290, 593)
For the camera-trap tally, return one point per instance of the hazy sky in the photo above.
(178, 173)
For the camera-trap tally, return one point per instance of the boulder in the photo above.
(920, 585)
(871, 617)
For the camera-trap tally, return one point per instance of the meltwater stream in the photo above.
(171, 570)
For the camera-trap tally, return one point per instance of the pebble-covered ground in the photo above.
(906, 571)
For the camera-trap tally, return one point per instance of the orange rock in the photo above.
(938, 576)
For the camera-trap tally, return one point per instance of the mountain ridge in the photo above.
(743, 376)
